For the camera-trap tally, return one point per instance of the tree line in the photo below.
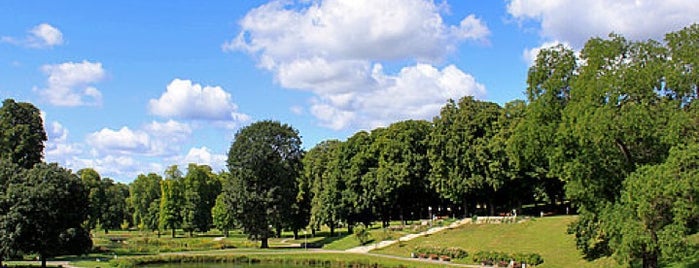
(612, 131)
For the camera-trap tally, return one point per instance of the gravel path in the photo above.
(386, 243)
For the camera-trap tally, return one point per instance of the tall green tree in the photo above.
(9, 173)
(533, 140)
(201, 187)
(616, 120)
(264, 161)
(325, 192)
(459, 154)
(22, 133)
(222, 217)
(98, 199)
(46, 213)
(115, 210)
(171, 200)
(351, 169)
(144, 197)
(401, 181)
(659, 208)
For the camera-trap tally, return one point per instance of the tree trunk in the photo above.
(191, 233)
(158, 233)
(264, 243)
(279, 232)
(313, 232)
(43, 261)
(332, 229)
(173, 232)
(225, 233)
(650, 260)
(296, 234)
(106, 231)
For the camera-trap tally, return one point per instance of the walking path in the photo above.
(386, 243)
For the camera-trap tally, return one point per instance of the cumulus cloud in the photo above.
(187, 100)
(71, 83)
(416, 92)
(57, 146)
(154, 139)
(336, 50)
(123, 140)
(204, 156)
(41, 36)
(576, 21)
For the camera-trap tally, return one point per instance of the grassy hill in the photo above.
(545, 236)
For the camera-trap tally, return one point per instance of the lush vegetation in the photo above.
(610, 133)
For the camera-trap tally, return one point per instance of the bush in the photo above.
(362, 234)
(490, 257)
(452, 252)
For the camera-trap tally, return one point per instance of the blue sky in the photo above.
(129, 87)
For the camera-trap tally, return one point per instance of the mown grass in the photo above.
(545, 236)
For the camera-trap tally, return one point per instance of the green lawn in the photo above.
(545, 236)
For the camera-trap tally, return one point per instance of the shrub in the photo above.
(489, 257)
(452, 252)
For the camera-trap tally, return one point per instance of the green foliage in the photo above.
(325, 188)
(222, 217)
(493, 257)
(452, 252)
(45, 213)
(171, 200)
(22, 133)
(362, 234)
(200, 189)
(659, 209)
(144, 199)
(459, 151)
(265, 162)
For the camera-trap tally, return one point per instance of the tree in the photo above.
(660, 209)
(46, 212)
(22, 133)
(222, 217)
(144, 197)
(115, 211)
(264, 161)
(350, 170)
(400, 183)
(201, 187)
(9, 173)
(325, 189)
(171, 199)
(616, 120)
(533, 140)
(97, 205)
(459, 154)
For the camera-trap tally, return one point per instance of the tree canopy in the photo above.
(264, 161)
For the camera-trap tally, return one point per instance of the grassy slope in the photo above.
(545, 236)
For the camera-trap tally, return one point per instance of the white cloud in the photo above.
(576, 21)
(41, 36)
(70, 83)
(57, 146)
(417, 92)
(336, 48)
(204, 156)
(154, 139)
(187, 100)
(123, 140)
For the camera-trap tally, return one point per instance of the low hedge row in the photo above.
(130, 262)
(495, 256)
(452, 252)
